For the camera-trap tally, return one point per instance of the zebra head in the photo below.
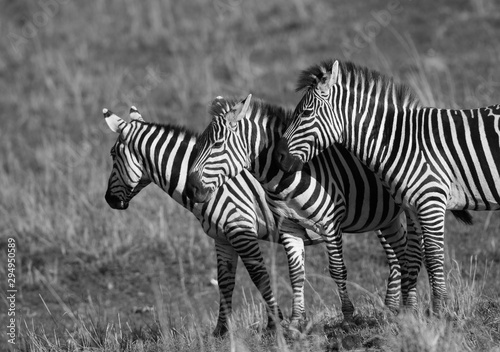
(127, 177)
(315, 124)
(214, 163)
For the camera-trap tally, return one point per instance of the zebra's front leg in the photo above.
(294, 248)
(247, 247)
(433, 247)
(393, 239)
(411, 264)
(338, 272)
(227, 261)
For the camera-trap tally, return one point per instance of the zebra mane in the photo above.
(310, 77)
(221, 107)
(176, 129)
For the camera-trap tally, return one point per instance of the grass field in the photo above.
(90, 278)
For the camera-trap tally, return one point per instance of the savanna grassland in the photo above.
(91, 278)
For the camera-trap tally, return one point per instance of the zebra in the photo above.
(429, 159)
(242, 135)
(236, 217)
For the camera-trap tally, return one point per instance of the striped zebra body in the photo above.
(429, 159)
(237, 216)
(324, 198)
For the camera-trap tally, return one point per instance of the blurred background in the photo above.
(62, 61)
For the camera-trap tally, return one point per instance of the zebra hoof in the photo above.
(271, 326)
(406, 312)
(273, 321)
(449, 316)
(433, 313)
(347, 324)
(394, 309)
(294, 329)
(220, 330)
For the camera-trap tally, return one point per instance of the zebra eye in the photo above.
(217, 144)
(305, 114)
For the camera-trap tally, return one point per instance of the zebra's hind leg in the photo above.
(227, 261)
(247, 247)
(294, 248)
(393, 239)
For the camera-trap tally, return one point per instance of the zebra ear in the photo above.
(329, 79)
(135, 115)
(115, 123)
(239, 111)
(334, 76)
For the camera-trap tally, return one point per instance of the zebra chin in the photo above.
(114, 202)
(287, 162)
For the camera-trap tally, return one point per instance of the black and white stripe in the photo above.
(333, 193)
(237, 216)
(429, 159)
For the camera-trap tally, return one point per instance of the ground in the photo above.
(142, 279)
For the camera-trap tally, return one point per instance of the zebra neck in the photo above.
(267, 131)
(167, 157)
(370, 135)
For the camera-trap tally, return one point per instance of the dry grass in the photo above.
(90, 277)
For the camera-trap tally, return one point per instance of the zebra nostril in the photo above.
(192, 191)
(281, 151)
(278, 156)
(115, 202)
(282, 156)
(192, 186)
(195, 190)
(110, 198)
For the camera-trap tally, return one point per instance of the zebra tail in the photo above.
(464, 216)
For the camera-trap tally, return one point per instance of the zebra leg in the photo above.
(338, 271)
(411, 264)
(227, 261)
(247, 247)
(294, 248)
(393, 240)
(433, 246)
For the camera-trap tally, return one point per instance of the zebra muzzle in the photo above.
(195, 190)
(115, 202)
(287, 162)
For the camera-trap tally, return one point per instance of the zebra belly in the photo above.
(236, 208)
(360, 228)
(293, 215)
(270, 226)
(319, 213)
(226, 211)
(287, 214)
